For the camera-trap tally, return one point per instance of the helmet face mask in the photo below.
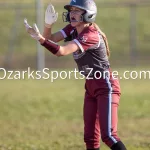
(66, 16)
(88, 5)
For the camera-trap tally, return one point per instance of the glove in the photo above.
(50, 16)
(33, 31)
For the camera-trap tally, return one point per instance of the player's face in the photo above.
(76, 16)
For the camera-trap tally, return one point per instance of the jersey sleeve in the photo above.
(67, 30)
(87, 40)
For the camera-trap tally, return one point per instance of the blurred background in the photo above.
(126, 24)
(40, 115)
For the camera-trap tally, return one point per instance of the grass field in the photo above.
(41, 115)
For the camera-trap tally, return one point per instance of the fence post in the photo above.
(13, 38)
(133, 39)
(39, 20)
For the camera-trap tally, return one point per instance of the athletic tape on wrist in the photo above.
(51, 46)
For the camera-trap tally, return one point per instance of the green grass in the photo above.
(41, 115)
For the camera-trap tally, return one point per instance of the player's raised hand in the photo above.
(50, 16)
(33, 31)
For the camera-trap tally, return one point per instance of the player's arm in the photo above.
(56, 37)
(67, 49)
(58, 50)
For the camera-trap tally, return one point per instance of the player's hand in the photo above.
(33, 31)
(50, 16)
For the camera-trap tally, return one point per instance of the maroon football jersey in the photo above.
(92, 54)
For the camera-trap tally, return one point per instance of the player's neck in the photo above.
(81, 27)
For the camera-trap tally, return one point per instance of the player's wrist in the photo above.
(41, 40)
(48, 25)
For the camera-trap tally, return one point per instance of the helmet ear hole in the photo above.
(90, 16)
